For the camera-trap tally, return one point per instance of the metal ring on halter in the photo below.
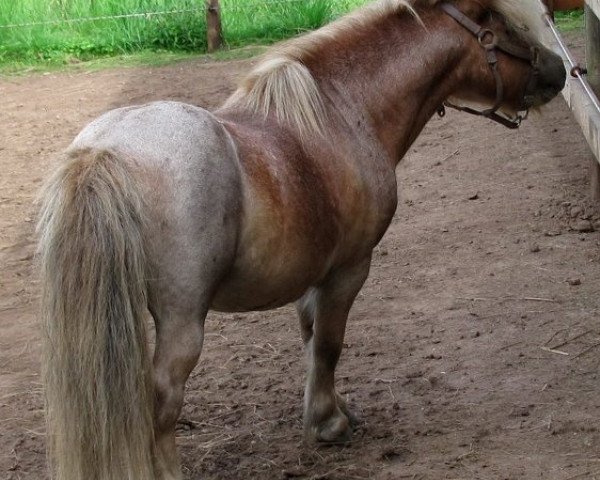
(481, 37)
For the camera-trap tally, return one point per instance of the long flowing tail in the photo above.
(97, 371)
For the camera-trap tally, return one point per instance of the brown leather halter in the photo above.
(490, 42)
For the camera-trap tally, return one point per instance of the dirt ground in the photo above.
(472, 352)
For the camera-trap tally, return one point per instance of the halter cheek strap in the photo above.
(490, 42)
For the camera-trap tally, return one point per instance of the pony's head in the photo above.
(506, 67)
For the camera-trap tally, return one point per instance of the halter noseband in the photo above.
(490, 42)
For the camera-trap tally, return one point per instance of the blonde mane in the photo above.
(282, 84)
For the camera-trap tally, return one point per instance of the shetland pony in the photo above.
(278, 196)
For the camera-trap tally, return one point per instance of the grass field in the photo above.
(58, 32)
(51, 31)
(572, 20)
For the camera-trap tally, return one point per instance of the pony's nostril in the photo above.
(550, 81)
(555, 74)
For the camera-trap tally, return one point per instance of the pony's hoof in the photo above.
(354, 420)
(336, 430)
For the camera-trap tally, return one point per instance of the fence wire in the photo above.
(147, 15)
(103, 17)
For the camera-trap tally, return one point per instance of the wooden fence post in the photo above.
(592, 27)
(213, 23)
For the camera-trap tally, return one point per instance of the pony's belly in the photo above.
(248, 300)
(256, 288)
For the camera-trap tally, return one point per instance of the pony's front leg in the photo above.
(323, 312)
(179, 339)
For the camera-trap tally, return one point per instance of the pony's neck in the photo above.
(390, 80)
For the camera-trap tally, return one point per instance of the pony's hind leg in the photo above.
(306, 314)
(323, 313)
(179, 338)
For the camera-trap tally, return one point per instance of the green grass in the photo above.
(66, 43)
(570, 20)
(266, 21)
(61, 42)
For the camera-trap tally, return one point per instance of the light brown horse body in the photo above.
(279, 196)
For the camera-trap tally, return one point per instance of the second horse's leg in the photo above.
(323, 311)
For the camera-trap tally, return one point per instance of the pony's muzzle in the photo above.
(550, 80)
